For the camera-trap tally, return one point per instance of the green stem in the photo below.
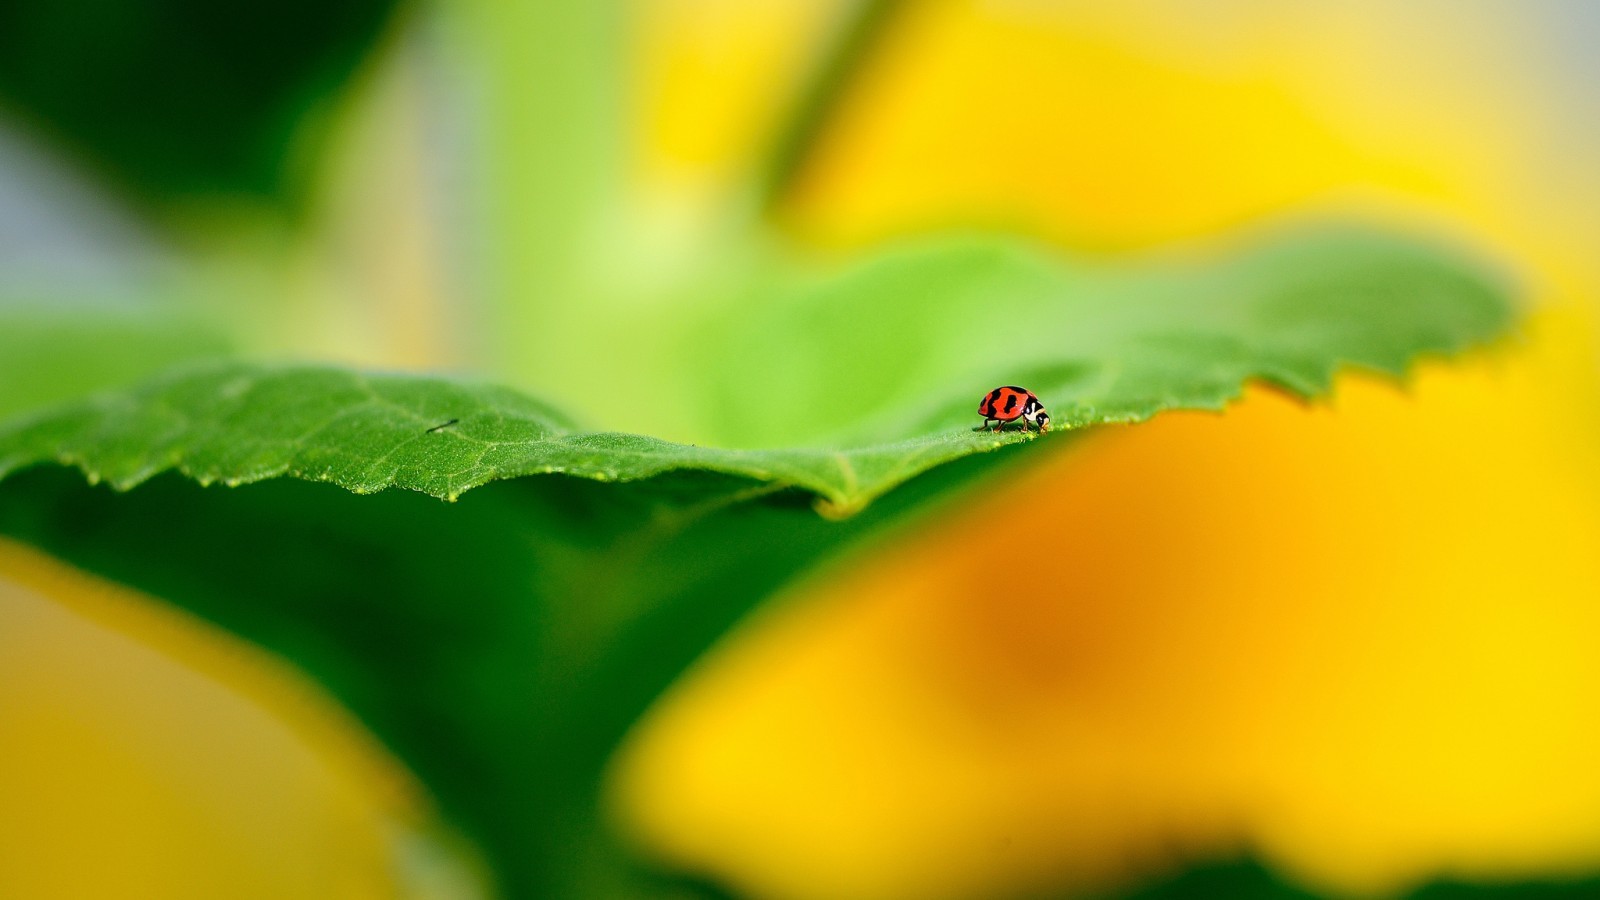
(837, 71)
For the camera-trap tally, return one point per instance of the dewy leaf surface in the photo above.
(882, 366)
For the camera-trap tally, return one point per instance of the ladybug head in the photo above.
(1034, 414)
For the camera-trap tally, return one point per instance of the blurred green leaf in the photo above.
(1223, 880)
(52, 355)
(1508, 889)
(882, 366)
(1248, 879)
(182, 97)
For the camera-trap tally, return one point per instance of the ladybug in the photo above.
(1010, 403)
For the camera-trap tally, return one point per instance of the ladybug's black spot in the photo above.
(1011, 402)
(987, 406)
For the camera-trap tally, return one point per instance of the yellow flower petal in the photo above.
(201, 769)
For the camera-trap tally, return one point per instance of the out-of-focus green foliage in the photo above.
(1575, 889)
(1250, 880)
(182, 97)
(1239, 880)
(49, 355)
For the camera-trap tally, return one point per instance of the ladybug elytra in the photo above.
(1005, 405)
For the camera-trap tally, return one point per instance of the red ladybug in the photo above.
(1010, 403)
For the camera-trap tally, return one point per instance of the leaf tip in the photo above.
(837, 509)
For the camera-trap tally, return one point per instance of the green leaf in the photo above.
(903, 344)
(503, 645)
(239, 423)
(875, 373)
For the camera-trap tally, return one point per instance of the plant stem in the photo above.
(837, 71)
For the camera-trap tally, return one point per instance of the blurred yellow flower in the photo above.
(182, 762)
